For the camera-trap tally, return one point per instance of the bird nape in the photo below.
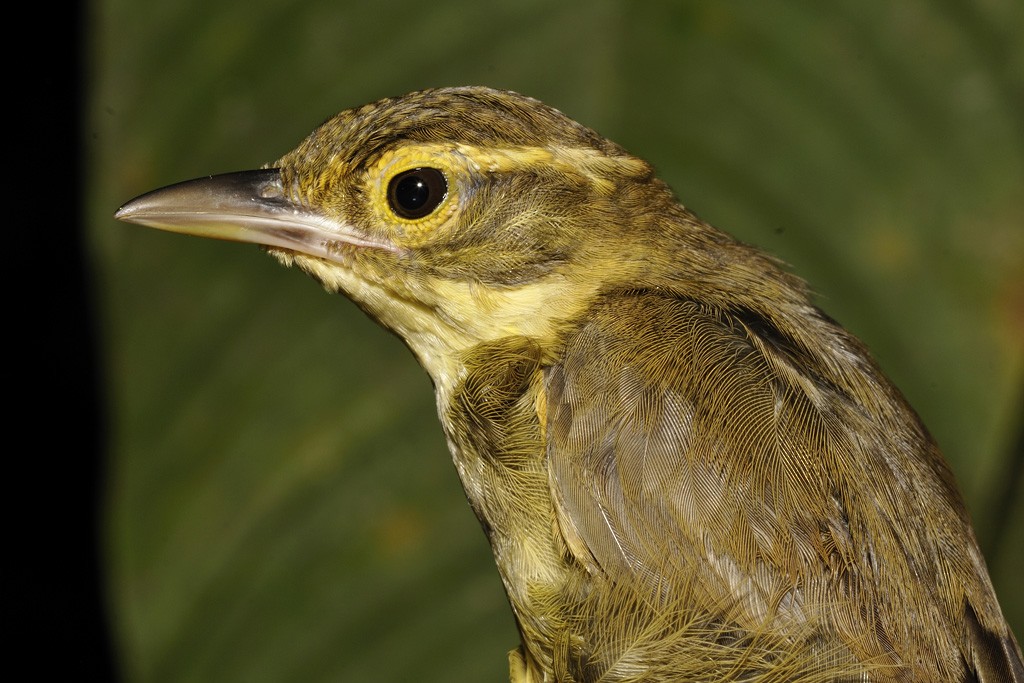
(686, 471)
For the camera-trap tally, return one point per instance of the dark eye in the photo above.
(417, 192)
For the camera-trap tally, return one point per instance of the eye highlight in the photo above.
(417, 192)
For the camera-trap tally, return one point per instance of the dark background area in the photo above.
(56, 614)
(276, 501)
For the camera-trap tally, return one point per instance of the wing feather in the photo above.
(699, 450)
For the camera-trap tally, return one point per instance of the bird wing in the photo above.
(700, 452)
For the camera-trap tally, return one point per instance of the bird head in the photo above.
(452, 216)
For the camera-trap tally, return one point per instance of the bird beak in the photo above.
(248, 206)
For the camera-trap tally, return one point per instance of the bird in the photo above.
(686, 470)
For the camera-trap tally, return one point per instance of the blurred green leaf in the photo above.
(280, 500)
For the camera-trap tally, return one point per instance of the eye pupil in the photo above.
(417, 192)
(412, 193)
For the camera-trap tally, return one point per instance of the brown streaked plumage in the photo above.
(686, 470)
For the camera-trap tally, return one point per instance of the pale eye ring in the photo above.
(417, 192)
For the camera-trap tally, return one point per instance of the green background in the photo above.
(280, 504)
